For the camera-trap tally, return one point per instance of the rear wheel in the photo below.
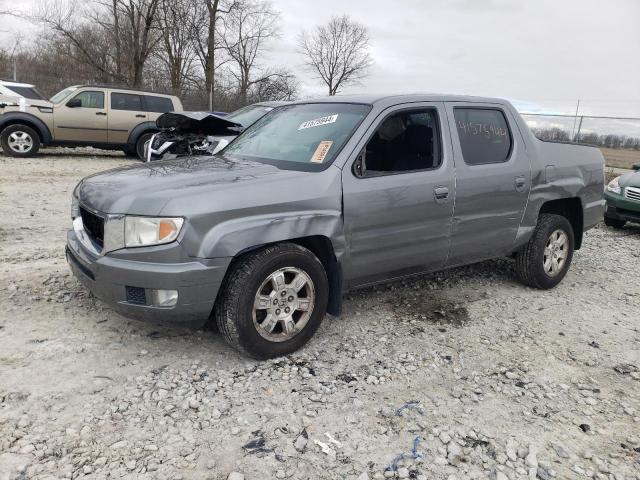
(273, 301)
(614, 222)
(545, 259)
(20, 141)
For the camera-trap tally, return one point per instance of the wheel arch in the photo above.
(139, 130)
(322, 247)
(570, 208)
(20, 118)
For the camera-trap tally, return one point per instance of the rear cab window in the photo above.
(26, 92)
(126, 101)
(484, 135)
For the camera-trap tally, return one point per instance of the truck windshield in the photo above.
(61, 95)
(307, 136)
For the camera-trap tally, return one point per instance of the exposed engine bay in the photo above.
(190, 133)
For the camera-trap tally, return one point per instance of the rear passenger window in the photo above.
(126, 101)
(484, 135)
(157, 104)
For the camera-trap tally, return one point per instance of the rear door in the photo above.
(397, 214)
(493, 178)
(82, 118)
(126, 110)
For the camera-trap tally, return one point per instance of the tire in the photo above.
(20, 141)
(247, 328)
(613, 222)
(142, 139)
(534, 263)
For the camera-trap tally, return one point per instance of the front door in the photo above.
(398, 207)
(493, 177)
(82, 119)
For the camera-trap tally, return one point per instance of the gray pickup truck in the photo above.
(319, 197)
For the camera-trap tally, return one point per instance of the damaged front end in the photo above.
(190, 133)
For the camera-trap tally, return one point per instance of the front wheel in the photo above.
(20, 141)
(613, 222)
(273, 300)
(140, 145)
(544, 261)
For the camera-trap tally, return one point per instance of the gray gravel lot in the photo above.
(461, 374)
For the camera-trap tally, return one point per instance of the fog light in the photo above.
(164, 298)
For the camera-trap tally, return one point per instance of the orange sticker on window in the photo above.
(321, 151)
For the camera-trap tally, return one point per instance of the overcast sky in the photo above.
(542, 54)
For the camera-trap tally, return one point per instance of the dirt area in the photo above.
(456, 375)
(620, 157)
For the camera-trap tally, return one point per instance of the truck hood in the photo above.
(27, 102)
(180, 186)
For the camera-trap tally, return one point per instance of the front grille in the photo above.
(93, 225)
(136, 295)
(632, 193)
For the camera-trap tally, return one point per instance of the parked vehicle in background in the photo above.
(323, 196)
(623, 199)
(202, 133)
(83, 115)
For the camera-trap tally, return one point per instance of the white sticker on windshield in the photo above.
(321, 151)
(318, 121)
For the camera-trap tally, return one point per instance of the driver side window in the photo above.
(90, 99)
(405, 141)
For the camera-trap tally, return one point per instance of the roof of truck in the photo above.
(404, 98)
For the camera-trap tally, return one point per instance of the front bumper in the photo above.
(108, 276)
(622, 208)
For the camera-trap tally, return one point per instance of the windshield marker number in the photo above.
(318, 122)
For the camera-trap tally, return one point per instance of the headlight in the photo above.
(614, 186)
(145, 231)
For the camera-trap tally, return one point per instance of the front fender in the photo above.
(233, 237)
(11, 118)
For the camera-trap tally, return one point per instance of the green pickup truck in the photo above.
(623, 199)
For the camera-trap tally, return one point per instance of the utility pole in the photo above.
(575, 118)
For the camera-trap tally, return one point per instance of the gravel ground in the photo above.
(456, 375)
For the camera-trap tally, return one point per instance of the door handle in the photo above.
(100, 113)
(441, 194)
(141, 116)
(520, 182)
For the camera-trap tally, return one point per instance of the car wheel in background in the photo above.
(273, 300)
(20, 141)
(545, 259)
(613, 222)
(142, 139)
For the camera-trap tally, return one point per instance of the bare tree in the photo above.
(177, 53)
(206, 37)
(337, 52)
(127, 26)
(248, 28)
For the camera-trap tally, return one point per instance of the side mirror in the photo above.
(74, 103)
(636, 166)
(360, 165)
